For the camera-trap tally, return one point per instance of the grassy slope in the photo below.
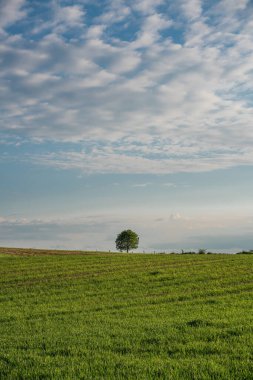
(118, 316)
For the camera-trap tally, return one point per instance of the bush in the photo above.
(202, 251)
(250, 252)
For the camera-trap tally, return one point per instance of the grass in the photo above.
(117, 316)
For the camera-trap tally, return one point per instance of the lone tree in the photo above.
(126, 240)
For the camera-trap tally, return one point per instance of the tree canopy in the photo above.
(127, 240)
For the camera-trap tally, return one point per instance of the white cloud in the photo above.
(105, 160)
(40, 78)
(188, 103)
(174, 231)
(149, 32)
(231, 6)
(192, 8)
(99, 79)
(71, 15)
(62, 18)
(11, 11)
(146, 6)
(115, 11)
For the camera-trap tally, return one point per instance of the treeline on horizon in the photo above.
(32, 251)
(204, 251)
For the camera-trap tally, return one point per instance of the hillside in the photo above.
(118, 316)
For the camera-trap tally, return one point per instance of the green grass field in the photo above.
(118, 316)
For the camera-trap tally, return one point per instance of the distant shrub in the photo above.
(250, 252)
(202, 251)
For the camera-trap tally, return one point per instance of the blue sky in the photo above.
(126, 114)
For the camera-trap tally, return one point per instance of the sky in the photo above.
(126, 114)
